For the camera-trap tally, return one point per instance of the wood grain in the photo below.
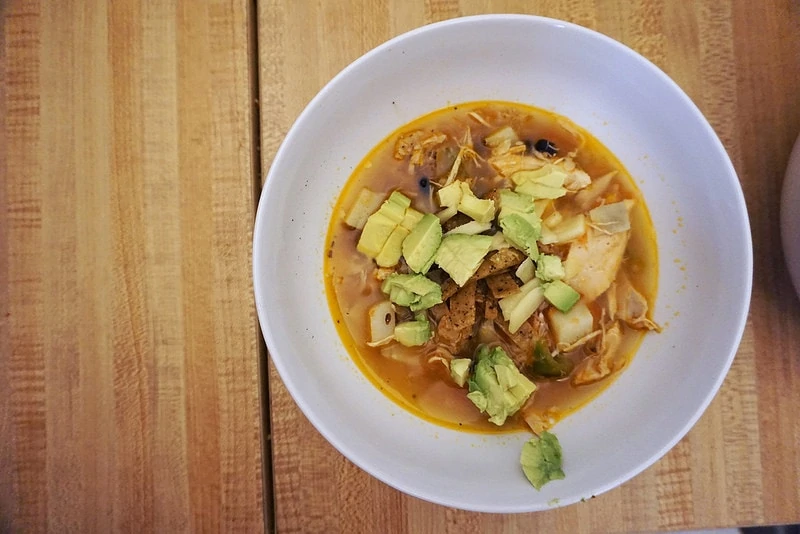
(129, 372)
(740, 62)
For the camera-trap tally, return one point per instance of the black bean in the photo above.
(546, 147)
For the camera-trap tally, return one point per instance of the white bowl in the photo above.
(705, 255)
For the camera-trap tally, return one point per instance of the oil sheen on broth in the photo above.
(405, 374)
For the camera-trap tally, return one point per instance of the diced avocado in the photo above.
(392, 249)
(412, 333)
(459, 370)
(497, 387)
(561, 295)
(504, 134)
(541, 460)
(393, 211)
(446, 214)
(482, 210)
(522, 230)
(375, 234)
(420, 246)
(460, 255)
(549, 267)
(537, 190)
(526, 270)
(400, 199)
(365, 205)
(412, 290)
(471, 228)
(450, 195)
(499, 242)
(411, 219)
(520, 224)
(511, 201)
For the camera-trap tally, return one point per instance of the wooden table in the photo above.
(135, 390)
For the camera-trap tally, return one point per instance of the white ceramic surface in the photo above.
(705, 255)
(790, 216)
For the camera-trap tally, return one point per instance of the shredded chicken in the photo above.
(416, 144)
(538, 422)
(515, 160)
(603, 363)
(522, 341)
(564, 347)
(628, 305)
(478, 118)
(577, 180)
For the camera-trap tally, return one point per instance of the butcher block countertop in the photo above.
(136, 394)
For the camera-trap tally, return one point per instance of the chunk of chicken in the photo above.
(415, 144)
(592, 263)
(628, 305)
(602, 363)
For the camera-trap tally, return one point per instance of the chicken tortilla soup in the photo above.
(492, 267)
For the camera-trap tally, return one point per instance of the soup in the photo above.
(483, 234)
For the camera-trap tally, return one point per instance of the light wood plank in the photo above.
(740, 62)
(129, 337)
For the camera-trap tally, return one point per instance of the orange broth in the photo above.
(406, 378)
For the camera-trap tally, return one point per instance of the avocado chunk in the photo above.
(549, 267)
(413, 333)
(481, 210)
(376, 232)
(561, 295)
(365, 205)
(419, 248)
(460, 255)
(395, 206)
(497, 387)
(392, 249)
(546, 182)
(541, 460)
(412, 290)
(450, 195)
(411, 219)
(537, 190)
(380, 226)
(521, 233)
(519, 222)
(511, 202)
(459, 370)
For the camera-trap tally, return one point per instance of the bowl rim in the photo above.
(729, 170)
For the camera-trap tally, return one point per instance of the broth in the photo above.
(404, 373)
